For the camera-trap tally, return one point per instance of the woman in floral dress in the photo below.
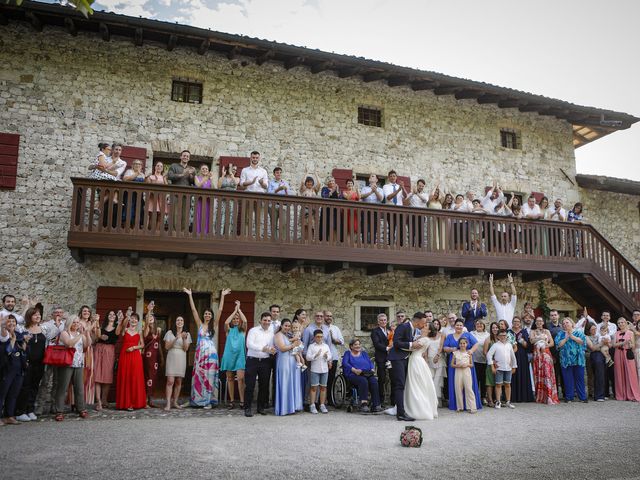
(544, 375)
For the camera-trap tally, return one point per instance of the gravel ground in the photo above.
(568, 441)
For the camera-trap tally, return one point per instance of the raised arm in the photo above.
(227, 322)
(510, 280)
(194, 311)
(491, 290)
(223, 294)
(122, 323)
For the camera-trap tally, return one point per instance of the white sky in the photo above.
(585, 52)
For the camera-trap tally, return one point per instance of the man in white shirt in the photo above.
(254, 178)
(417, 198)
(274, 326)
(584, 319)
(531, 210)
(491, 200)
(394, 195)
(259, 362)
(505, 308)
(371, 194)
(611, 328)
(557, 213)
(335, 339)
(9, 308)
(46, 393)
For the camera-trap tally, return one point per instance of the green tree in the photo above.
(542, 301)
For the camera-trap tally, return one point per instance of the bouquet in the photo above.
(411, 437)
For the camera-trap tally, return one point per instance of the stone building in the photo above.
(67, 83)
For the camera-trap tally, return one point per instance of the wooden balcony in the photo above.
(138, 220)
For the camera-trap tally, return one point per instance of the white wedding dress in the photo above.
(420, 398)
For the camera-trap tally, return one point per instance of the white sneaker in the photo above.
(510, 405)
(23, 418)
(207, 407)
(32, 416)
(498, 406)
(323, 409)
(312, 408)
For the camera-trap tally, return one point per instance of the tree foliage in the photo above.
(83, 6)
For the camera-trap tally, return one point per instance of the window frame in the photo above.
(364, 116)
(187, 85)
(385, 304)
(506, 133)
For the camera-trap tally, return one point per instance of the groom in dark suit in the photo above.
(403, 344)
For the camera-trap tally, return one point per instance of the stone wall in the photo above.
(617, 217)
(65, 94)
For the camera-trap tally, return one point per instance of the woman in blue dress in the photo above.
(288, 380)
(233, 358)
(204, 377)
(451, 345)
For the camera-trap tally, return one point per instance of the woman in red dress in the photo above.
(152, 353)
(130, 392)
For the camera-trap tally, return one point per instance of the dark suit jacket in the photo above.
(402, 338)
(380, 343)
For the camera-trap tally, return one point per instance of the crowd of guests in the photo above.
(520, 358)
(108, 165)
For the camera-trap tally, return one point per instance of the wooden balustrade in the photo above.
(119, 216)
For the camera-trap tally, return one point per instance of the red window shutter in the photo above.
(538, 196)
(129, 154)
(341, 176)
(9, 146)
(239, 162)
(115, 298)
(406, 181)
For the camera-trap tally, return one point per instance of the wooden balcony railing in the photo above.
(164, 220)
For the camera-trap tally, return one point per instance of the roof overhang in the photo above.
(589, 123)
(609, 184)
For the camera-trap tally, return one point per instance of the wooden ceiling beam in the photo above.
(419, 85)
(134, 258)
(35, 21)
(172, 42)
(510, 103)
(446, 90)
(289, 265)
(466, 272)
(374, 76)
(464, 94)
(268, 55)
(138, 37)
(398, 81)
(240, 262)
(321, 67)
(104, 32)
(70, 26)
(348, 72)
(189, 259)
(427, 271)
(489, 98)
(378, 269)
(333, 267)
(293, 62)
(204, 46)
(531, 108)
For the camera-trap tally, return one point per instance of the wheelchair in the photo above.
(344, 394)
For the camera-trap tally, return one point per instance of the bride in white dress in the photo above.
(420, 398)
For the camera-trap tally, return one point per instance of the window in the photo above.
(510, 138)
(371, 117)
(366, 313)
(186, 91)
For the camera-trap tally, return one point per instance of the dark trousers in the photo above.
(10, 388)
(481, 370)
(366, 386)
(398, 377)
(598, 368)
(367, 235)
(574, 382)
(557, 370)
(381, 371)
(609, 379)
(395, 227)
(417, 225)
(30, 386)
(259, 368)
(331, 378)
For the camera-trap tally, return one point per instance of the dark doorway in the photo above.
(168, 306)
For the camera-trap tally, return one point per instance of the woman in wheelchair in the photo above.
(358, 369)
